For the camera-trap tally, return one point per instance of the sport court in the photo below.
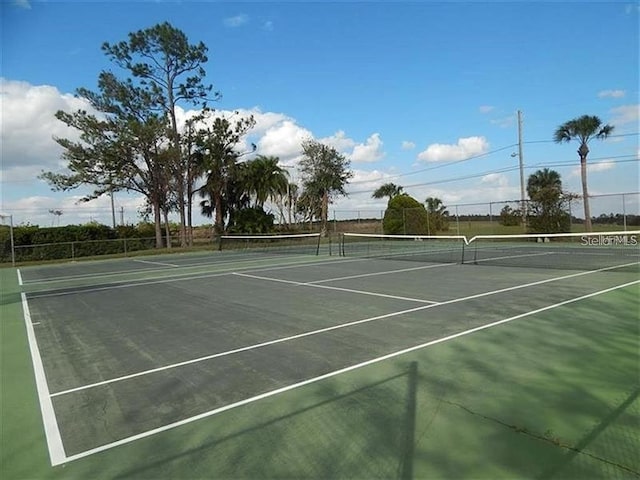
(126, 349)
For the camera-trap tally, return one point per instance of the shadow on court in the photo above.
(625, 438)
(367, 432)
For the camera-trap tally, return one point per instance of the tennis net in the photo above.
(418, 248)
(304, 244)
(570, 251)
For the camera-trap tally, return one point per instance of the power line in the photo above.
(608, 136)
(621, 159)
(507, 147)
(447, 164)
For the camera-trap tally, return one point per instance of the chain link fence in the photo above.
(609, 212)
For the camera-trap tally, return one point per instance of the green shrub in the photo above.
(252, 220)
(405, 215)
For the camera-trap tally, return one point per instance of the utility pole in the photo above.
(523, 208)
(113, 209)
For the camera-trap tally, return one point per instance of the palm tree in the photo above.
(217, 147)
(265, 179)
(544, 184)
(547, 204)
(387, 190)
(437, 213)
(583, 129)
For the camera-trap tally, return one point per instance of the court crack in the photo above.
(546, 437)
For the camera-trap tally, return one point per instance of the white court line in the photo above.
(93, 275)
(57, 454)
(328, 287)
(19, 277)
(319, 378)
(326, 329)
(156, 263)
(386, 272)
(507, 257)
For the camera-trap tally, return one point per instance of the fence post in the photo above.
(624, 213)
(457, 222)
(73, 250)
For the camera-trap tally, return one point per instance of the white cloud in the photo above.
(611, 94)
(625, 114)
(22, 4)
(465, 148)
(504, 122)
(236, 21)
(497, 179)
(368, 178)
(339, 141)
(28, 125)
(486, 108)
(632, 8)
(36, 209)
(279, 135)
(368, 152)
(406, 145)
(283, 140)
(595, 167)
(268, 26)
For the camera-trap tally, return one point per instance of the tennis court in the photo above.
(127, 350)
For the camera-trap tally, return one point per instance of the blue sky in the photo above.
(407, 91)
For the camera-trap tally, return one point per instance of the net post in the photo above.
(318, 244)
(11, 238)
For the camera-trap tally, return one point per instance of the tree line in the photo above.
(135, 143)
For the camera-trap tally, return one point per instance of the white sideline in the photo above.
(19, 277)
(509, 257)
(375, 274)
(333, 374)
(156, 263)
(52, 432)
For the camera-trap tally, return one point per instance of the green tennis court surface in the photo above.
(246, 365)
